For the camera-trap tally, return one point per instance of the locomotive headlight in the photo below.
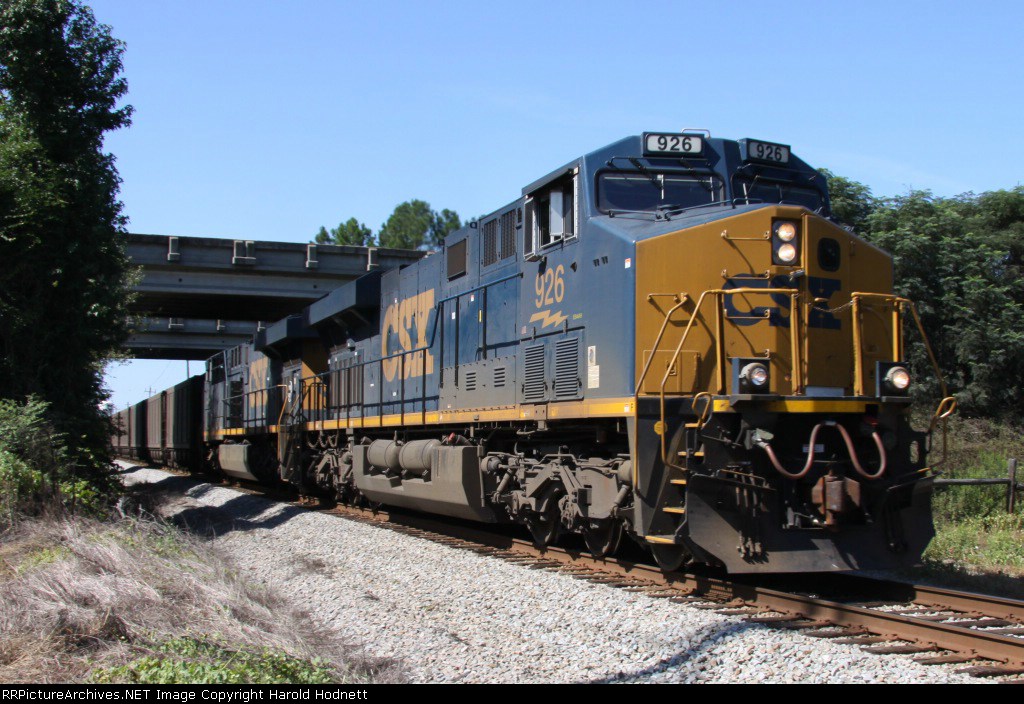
(786, 231)
(785, 242)
(897, 379)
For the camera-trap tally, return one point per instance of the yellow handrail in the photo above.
(681, 298)
(718, 293)
(899, 304)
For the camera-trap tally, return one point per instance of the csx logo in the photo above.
(817, 286)
(401, 318)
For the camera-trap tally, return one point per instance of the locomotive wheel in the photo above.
(603, 538)
(670, 557)
(544, 526)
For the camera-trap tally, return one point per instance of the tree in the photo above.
(444, 223)
(966, 289)
(350, 232)
(408, 227)
(852, 202)
(64, 285)
(413, 225)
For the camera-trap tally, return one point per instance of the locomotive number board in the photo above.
(766, 151)
(672, 144)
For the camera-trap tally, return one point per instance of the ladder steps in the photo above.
(678, 482)
(674, 509)
(660, 539)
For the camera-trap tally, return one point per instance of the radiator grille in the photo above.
(533, 378)
(470, 381)
(500, 377)
(567, 368)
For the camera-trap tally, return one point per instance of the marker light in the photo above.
(756, 374)
(787, 253)
(897, 379)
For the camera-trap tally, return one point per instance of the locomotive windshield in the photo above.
(649, 191)
(764, 191)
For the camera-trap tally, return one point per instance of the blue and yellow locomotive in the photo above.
(667, 339)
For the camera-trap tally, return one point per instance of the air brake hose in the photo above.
(764, 445)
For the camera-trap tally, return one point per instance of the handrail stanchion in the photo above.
(858, 364)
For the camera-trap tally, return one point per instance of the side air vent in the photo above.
(567, 368)
(500, 375)
(457, 259)
(470, 381)
(508, 235)
(490, 234)
(534, 388)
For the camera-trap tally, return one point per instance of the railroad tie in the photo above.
(951, 659)
(907, 649)
(990, 670)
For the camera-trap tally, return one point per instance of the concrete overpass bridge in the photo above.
(198, 295)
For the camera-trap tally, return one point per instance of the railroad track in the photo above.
(939, 626)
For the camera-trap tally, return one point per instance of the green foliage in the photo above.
(36, 472)
(985, 542)
(64, 284)
(970, 301)
(961, 261)
(22, 489)
(958, 503)
(412, 225)
(442, 225)
(42, 557)
(973, 529)
(852, 202)
(408, 226)
(350, 232)
(193, 661)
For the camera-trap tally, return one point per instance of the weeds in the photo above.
(136, 601)
(188, 660)
(973, 530)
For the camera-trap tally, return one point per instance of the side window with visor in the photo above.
(551, 215)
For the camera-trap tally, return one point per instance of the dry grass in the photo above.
(80, 594)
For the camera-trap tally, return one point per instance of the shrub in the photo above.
(36, 474)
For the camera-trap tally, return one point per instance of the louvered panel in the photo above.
(567, 368)
(490, 232)
(500, 377)
(508, 235)
(469, 381)
(534, 388)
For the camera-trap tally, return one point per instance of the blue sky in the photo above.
(265, 120)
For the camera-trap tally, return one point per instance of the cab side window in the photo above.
(551, 215)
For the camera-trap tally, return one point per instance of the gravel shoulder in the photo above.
(453, 616)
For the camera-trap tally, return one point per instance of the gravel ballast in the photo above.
(454, 616)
